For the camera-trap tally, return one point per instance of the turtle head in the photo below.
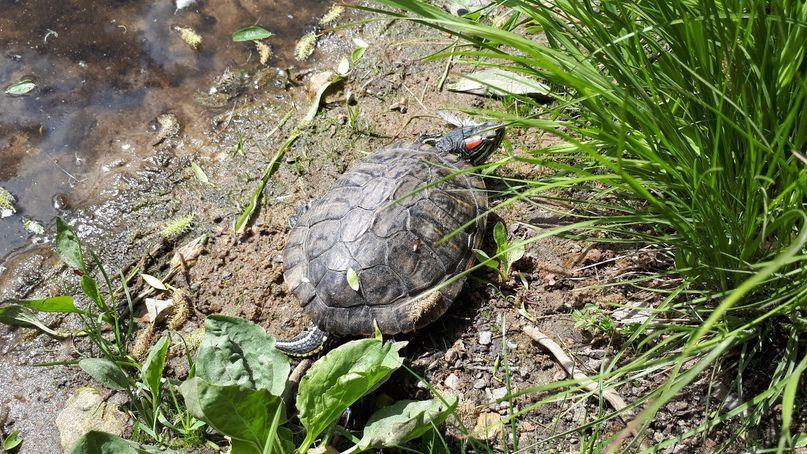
(474, 143)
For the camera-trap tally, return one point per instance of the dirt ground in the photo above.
(462, 353)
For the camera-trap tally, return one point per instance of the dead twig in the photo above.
(611, 396)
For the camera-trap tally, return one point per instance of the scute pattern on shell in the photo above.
(394, 248)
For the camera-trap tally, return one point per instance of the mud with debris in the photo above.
(477, 350)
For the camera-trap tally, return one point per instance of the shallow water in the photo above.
(103, 72)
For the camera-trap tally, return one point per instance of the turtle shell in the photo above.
(386, 220)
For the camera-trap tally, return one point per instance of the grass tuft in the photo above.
(684, 123)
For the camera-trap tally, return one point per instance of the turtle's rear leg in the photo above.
(297, 213)
(308, 343)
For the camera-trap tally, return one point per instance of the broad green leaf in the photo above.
(60, 304)
(90, 288)
(500, 236)
(353, 279)
(68, 246)
(251, 34)
(20, 88)
(105, 372)
(514, 253)
(153, 281)
(342, 377)
(95, 442)
(484, 259)
(238, 352)
(12, 441)
(241, 413)
(13, 314)
(404, 421)
(151, 371)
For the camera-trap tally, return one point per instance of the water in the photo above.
(104, 71)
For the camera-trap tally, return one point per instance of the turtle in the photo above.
(386, 247)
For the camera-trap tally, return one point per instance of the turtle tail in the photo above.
(308, 343)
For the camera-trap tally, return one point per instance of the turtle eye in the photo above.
(472, 143)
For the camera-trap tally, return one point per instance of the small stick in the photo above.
(608, 394)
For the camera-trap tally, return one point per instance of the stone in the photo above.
(487, 426)
(452, 381)
(485, 337)
(498, 393)
(480, 384)
(86, 410)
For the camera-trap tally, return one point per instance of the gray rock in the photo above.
(480, 384)
(485, 337)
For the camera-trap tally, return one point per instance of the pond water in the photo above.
(104, 70)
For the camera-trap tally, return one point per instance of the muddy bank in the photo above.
(466, 352)
(103, 73)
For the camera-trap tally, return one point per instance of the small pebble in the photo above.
(452, 381)
(485, 337)
(481, 383)
(498, 393)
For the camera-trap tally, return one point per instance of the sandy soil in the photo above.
(462, 353)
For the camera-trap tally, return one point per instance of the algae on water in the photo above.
(6, 203)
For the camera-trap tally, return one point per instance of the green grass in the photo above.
(684, 123)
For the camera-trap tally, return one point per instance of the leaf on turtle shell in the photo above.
(251, 34)
(353, 279)
(200, 174)
(499, 82)
(12, 441)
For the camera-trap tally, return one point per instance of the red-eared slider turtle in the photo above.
(370, 251)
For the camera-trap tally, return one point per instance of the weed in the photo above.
(691, 115)
(177, 227)
(507, 253)
(594, 320)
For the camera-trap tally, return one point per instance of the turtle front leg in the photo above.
(308, 343)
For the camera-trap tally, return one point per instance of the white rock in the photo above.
(485, 338)
(498, 393)
(452, 381)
